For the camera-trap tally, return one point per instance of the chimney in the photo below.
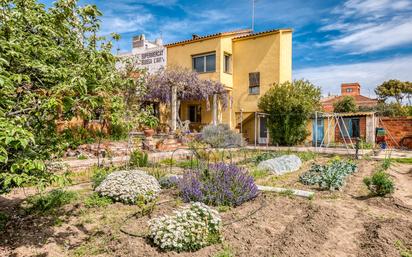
(138, 41)
(195, 36)
(350, 89)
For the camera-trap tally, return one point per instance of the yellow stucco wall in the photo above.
(269, 53)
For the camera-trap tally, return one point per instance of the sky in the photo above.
(365, 41)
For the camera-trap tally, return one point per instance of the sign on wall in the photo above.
(152, 60)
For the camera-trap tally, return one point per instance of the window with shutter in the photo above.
(254, 83)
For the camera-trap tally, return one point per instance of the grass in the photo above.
(258, 173)
(287, 192)
(94, 200)
(50, 201)
(403, 160)
(403, 251)
(226, 252)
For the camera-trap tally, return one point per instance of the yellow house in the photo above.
(246, 63)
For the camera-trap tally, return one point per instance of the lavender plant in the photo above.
(221, 136)
(219, 184)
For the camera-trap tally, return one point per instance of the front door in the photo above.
(263, 131)
(317, 128)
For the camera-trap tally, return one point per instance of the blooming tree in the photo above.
(188, 86)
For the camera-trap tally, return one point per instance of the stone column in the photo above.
(174, 108)
(214, 110)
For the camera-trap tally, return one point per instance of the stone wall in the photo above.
(397, 128)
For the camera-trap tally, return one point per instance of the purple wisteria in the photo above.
(189, 86)
(220, 184)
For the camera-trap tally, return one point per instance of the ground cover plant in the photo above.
(218, 184)
(330, 176)
(50, 201)
(380, 184)
(129, 186)
(189, 229)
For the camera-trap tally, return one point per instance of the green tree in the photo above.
(396, 89)
(290, 106)
(53, 66)
(346, 104)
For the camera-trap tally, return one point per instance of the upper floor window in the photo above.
(227, 65)
(254, 83)
(348, 90)
(204, 63)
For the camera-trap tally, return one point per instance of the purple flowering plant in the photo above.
(219, 184)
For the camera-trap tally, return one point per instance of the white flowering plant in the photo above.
(129, 186)
(193, 227)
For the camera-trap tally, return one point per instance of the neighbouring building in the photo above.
(150, 55)
(349, 89)
(246, 63)
(338, 128)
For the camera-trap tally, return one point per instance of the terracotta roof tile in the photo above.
(242, 31)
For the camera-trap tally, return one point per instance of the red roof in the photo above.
(360, 100)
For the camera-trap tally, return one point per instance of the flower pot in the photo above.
(148, 132)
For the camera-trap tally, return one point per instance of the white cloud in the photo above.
(368, 74)
(125, 24)
(370, 25)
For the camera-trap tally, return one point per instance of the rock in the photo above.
(282, 164)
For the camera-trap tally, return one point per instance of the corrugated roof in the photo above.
(209, 36)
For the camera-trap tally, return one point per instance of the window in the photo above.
(254, 83)
(204, 63)
(195, 113)
(348, 90)
(350, 127)
(227, 63)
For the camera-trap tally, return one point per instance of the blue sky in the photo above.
(366, 41)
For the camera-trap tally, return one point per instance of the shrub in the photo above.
(190, 229)
(380, 184)
(219, 184)
(221, 136)
(138, 159)
(50, 201)
(95, 200)
(386, 164)
(290, 106)
(331, 176)
(129, 186)
(98, 175)
(169, 181)
(346, 104)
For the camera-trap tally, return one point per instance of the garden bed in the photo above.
(344, 222)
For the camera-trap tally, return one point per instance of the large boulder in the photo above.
(282, 164)
(128, 186)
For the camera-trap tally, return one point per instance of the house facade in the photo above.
(246, 63)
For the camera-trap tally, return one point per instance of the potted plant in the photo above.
(149, 122)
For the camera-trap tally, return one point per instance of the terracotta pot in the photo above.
(148, 132)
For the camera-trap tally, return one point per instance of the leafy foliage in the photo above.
(95, 200)
(396, 89)
(53, 67)
(380, 183)
(289, 106)
(219, 184)
(190, 229)
(50, 201)
(221, 136)
(98, 175)
(138, 158)
(330, 176)
(346, 104)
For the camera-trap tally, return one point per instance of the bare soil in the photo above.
(342, 223)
